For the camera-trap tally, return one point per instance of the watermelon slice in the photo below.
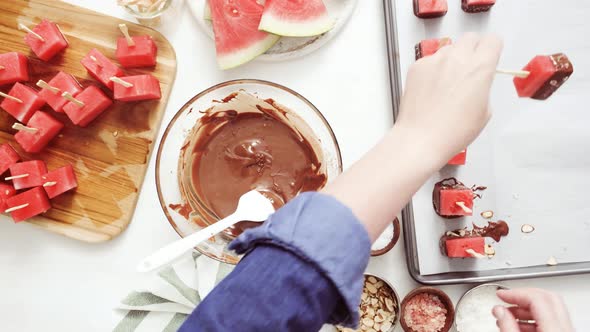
(296, 18)
(237, 38)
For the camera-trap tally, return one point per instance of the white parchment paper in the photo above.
(534, 156)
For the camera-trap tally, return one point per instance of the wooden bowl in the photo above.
(392, 243)
(434, 291)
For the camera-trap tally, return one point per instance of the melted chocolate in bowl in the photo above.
(245, 143)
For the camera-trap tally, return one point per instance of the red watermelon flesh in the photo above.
(430, 8)
(459, 159)
(456, 248)
(33, 202)
(449, 199)
(430, 46)
(237, 38)
(6, 191)
(296, 18)
(541, 68)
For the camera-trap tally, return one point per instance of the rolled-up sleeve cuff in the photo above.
(320, 230)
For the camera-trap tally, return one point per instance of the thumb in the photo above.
(506, 321)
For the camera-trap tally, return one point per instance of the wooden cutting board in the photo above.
(110, 156)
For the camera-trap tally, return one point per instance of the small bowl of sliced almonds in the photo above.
(379, 309)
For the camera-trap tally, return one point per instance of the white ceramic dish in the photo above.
(289, 47)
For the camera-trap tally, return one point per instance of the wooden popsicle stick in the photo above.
(517, 73)
(125, 32)
(464, 207)
(49, 184)
(71, 98)
(7, 96)
(26, 28)
(474, 253)
(44, 85)
(93, 58)
(21, 127)
(16, 208)
(22, 176)
(120, 81)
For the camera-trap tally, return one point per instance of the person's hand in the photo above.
(446, 98)
(547, 309)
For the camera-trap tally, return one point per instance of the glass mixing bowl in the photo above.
(186, 215)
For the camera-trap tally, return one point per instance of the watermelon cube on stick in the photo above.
(101, 68)
(45, 40)
(459, 159)
(464, 247)
(237, 37)
(38, 132)
(52, 91)
(430, 46)
(28, 204)
(296, 18)
(547, 74)
(60, 181)
(477, 6)
(430, 8)
(6, 191)
(14, 67)
(452, 199)
(139, 51)
(135, 88)
(27, 174)
(21, 102)
(94, 103)
(8, 157)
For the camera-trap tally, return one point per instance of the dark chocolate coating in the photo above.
(563, 70)
(418, 49)
(420, 15)
(474, 9)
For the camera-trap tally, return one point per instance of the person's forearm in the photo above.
(381, 183)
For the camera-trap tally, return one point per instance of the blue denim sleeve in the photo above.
(312, 253)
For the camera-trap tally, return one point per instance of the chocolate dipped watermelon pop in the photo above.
(45, 40)
(52, 91)
(14, 67)
(138, 51)
(27, 174)
(430, 46)
(38, 132)
(28, 204)
(464, 243)
(21, 102)
(430, 8)
(547, 74)
(101, 68)
(452, 199)
(8, 157)
(477, 6)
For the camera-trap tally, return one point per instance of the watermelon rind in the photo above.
(282, 27)
(235, 59)
(207, 12)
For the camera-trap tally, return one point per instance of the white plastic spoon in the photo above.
(253, 206)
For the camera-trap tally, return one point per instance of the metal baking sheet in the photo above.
(533, 156)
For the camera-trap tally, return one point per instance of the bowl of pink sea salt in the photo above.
(427, 309)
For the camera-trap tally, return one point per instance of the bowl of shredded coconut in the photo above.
(474, 309)
(427, 309)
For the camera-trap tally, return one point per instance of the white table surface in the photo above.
(52, 283)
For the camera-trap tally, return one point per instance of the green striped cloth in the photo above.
(173, 294)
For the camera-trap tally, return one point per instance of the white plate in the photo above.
(289, 47)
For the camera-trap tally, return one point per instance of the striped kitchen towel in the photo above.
(165, 303)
